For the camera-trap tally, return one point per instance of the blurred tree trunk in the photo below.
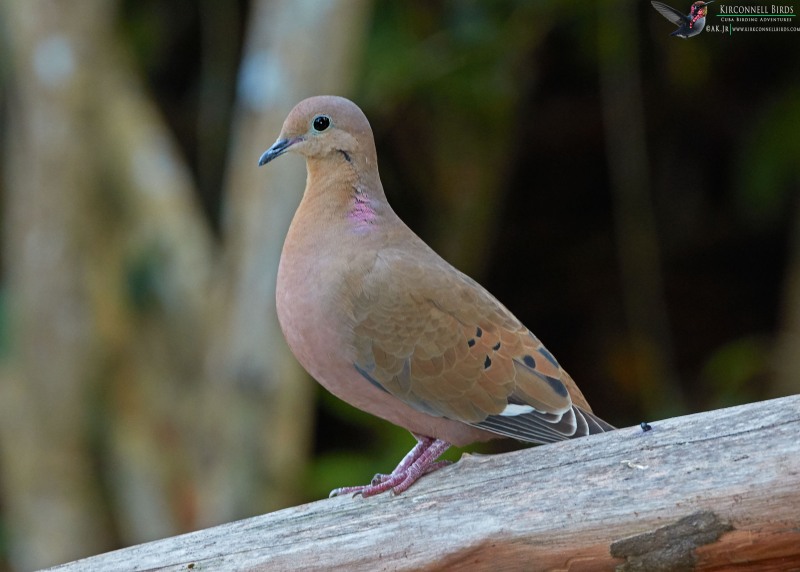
(51, 489)
(104, 236)
(157, 269)
(147, 390)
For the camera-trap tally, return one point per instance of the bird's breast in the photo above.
(317, 281)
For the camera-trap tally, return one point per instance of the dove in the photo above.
(387, 325)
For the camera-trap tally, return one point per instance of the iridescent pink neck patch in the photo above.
(362, 213)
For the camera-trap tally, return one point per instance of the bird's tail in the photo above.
(593, 422)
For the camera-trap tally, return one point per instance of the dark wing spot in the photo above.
(549, 356)
(346, 155)
(478, 333)
(487, 362)
(529, 361)
(496, 346)
(470, 342)
(557, 386)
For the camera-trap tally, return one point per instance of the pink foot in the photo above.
(421, 460)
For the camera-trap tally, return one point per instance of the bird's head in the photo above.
(700, 8)
(324, 126)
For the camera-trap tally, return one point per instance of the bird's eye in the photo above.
(321, 122)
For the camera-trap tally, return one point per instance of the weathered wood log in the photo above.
(711, 491)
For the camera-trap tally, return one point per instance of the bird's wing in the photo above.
(670, 13)
(437, 340)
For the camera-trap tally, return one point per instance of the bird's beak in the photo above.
(278, 148)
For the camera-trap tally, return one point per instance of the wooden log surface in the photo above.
(712, 491)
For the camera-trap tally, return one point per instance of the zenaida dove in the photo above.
(387, 325)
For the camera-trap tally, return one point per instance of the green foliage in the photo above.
(734, 370)
(454, 55)
(768, 170)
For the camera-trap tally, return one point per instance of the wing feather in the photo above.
(438, 341)
(670, 13)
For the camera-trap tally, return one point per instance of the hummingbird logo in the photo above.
(688, 26)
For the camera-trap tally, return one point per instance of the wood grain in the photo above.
(711, 491)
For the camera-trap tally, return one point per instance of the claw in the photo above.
(420, 461)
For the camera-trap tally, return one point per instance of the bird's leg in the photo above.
(414, 454)
(424, 464)
(421, 460)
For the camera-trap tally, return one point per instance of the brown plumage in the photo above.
(384, 323)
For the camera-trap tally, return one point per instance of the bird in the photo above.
(383, 322)
(688, 26)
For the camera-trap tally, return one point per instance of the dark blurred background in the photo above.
(631, 197)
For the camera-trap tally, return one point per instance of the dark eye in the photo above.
(321, 122)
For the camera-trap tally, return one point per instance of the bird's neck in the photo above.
(345, 190)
